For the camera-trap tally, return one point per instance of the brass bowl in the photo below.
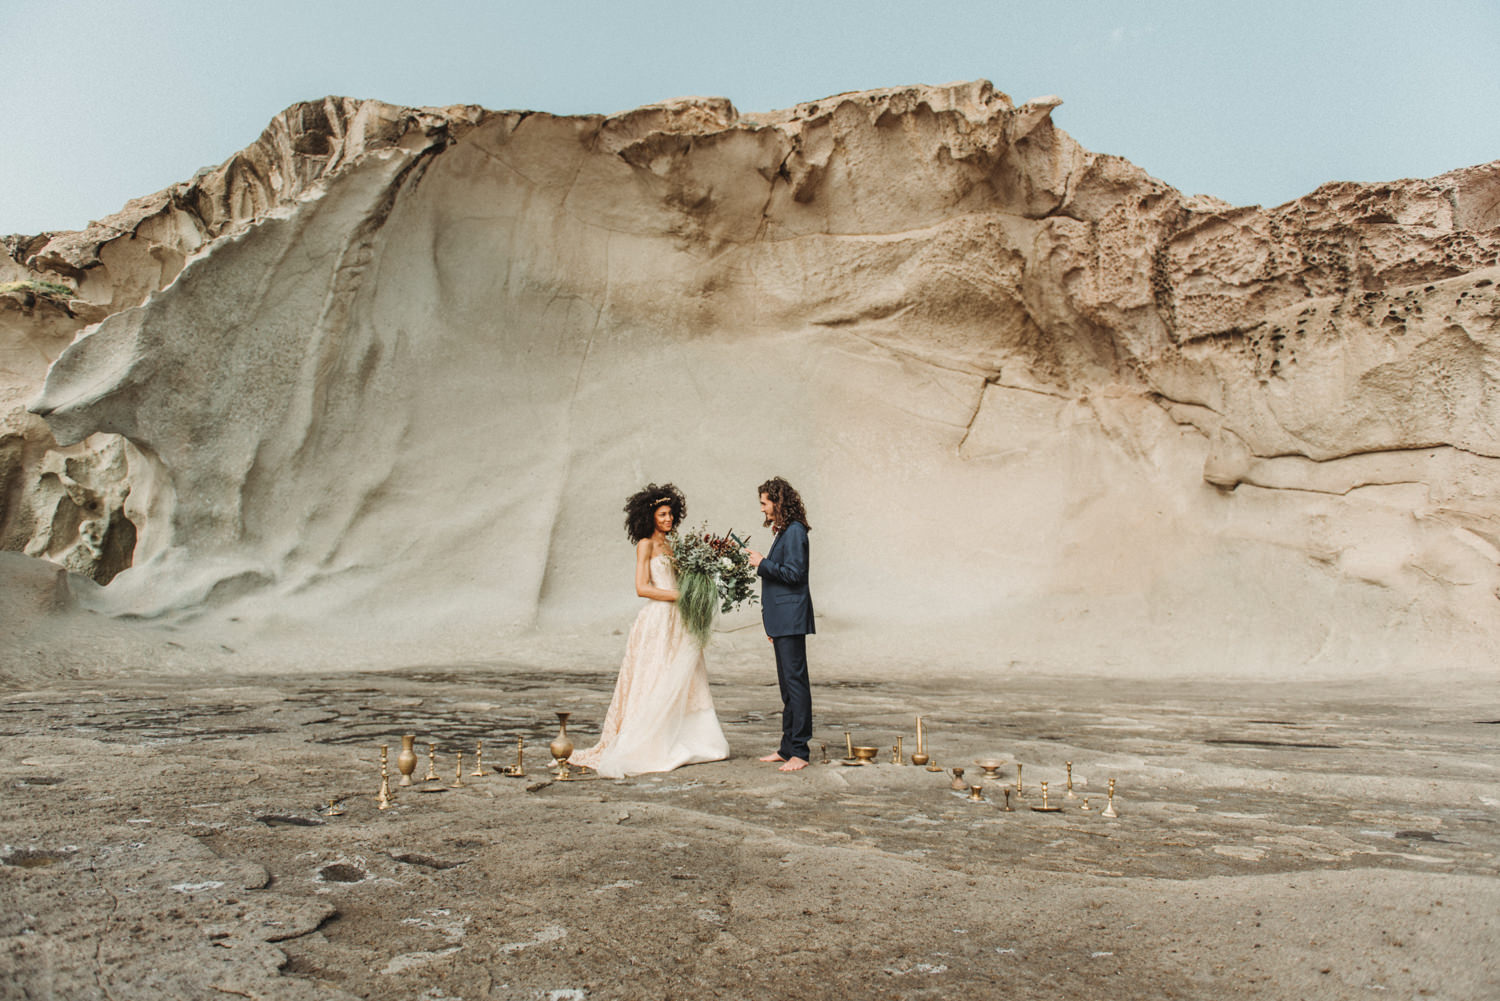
(991, 767)
(865, 755)
(919, 758)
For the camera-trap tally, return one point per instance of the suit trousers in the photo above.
(796, 696)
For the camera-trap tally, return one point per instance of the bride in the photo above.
(661, 715)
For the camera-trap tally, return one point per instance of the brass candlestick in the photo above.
(921, 737)
(1109, 809)
(958, 784)
(1085, 807)
(825, 753)
(406, 761)
(1020, 789)
(933, 766)
(897, 758)
(974, 793)
(458, 775)
(432, 775)
(562, 745)
(1071, 794)
(334, 809)
(1008, 807)
(384, 799)
(848, 746)
(478, 771)
(517, 770)
(1044, 808)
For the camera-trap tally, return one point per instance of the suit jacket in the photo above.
(786, 606)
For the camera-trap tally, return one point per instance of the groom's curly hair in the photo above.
(640, 509)
(788, 504)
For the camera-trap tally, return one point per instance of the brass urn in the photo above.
(406, 761)
(562, 745)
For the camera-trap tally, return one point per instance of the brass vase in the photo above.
(562, 745)
(406, 761)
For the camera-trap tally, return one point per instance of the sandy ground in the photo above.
(169, 838)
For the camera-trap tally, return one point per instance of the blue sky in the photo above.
(1253, 102)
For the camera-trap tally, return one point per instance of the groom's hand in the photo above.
(755, 558)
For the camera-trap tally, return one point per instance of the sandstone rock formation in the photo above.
(387, 375)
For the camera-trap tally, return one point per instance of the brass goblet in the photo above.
(991, 767)
(865, 754)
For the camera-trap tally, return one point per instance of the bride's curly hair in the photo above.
(788, 504)
(640, 509)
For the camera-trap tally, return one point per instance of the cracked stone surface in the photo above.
(169, 837)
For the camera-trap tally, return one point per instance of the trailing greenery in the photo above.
(697, 598)
(49, 290)
(713, 575)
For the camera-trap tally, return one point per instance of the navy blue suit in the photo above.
(786, 610)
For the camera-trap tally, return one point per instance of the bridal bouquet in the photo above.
(711, 570)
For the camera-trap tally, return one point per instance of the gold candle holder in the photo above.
(334, 809)
(1071, 794)
(933, 766)
(1109, 809)
(432, 775)
(384, 798)
(478, 771)
(406, 761)
(848, 746)
(458, 776)
(975, 796)
(1045, 808)
(825, 753)
(921, 737)
(897, 758)
(1008, 808)
(1020, 789)
(518, 770)
(1085, 807)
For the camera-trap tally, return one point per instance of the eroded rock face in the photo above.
(1044, 408)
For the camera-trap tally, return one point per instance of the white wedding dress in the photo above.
(661, 715)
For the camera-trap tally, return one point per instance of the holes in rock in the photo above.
(426, 861)
(1247, 742)
(288, 820)
(34, 858)
(341, 872)
(27, 781)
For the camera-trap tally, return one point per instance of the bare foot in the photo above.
(773, 756)
(793, 765)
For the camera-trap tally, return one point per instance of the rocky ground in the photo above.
(170, 838)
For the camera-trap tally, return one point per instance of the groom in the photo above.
(787, 612)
